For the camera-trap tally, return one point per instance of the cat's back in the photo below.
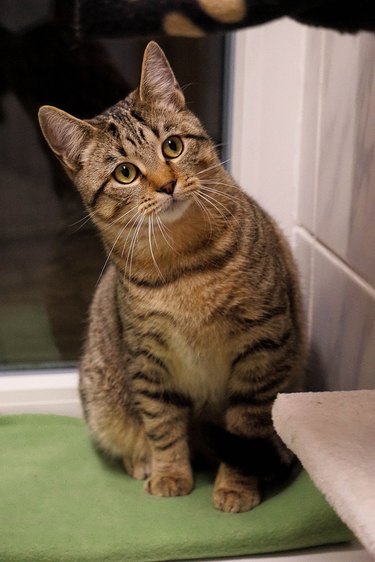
(104, 326)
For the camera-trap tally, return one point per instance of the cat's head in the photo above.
(147, 155)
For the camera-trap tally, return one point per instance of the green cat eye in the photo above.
(125, 173)
(172, 147)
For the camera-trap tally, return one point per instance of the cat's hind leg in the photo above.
(234, 491)
(137, 462)
(120, 436)
(248, 418)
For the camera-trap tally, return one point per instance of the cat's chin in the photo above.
(175, 209)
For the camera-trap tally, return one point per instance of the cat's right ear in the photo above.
(66, 135)
(158, 83)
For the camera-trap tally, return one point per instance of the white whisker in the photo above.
(163, 232)
(153, 231)
(220, 144)
(209, 200)
(85, 218)
(215, 181)
(214, 166)
(130, 231)
(110, 225)
(150, 232)
(221, 205)
(218, 192)
(133, 244)
(113, 246)
(203, 207)
(211, 183)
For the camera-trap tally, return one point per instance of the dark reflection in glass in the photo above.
(51, 256)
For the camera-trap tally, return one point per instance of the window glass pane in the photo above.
(51, 257)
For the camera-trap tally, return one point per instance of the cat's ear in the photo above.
(66, 135)
(157, 79)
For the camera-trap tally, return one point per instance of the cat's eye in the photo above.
(125, 173)
(172, 147)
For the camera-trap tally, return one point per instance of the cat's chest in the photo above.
(195, 303)
(199, 350)
(199, 369)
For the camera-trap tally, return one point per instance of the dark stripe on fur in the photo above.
(97, 193)
(240, 399)
(144, 412)
(129, 139)
(141, 134)
(137, 116)
(113, 130)
(152, 334)
(196, 137)
(283, 369)
(151, 357)
(157, 436)
(155, 314)
(155, 131)
(110, 159)
(168, 445)
(265, 344)
(261, 320)
(149, 378)
(168, 397)
(272, 384)
(216, 262)
(157, 337)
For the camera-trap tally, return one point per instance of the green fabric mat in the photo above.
(60, 501)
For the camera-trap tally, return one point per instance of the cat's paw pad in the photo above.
(167, 485)
(234, 501)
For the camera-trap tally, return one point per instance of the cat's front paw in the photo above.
(235, 501)
(167, 485)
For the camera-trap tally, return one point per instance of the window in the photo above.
(51, 256)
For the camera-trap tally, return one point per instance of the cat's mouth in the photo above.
(173, 208)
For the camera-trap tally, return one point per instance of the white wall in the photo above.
(303, 140)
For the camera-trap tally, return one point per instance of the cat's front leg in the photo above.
(249, 417)
(165, 415)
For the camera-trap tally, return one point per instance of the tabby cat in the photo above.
(196, 317)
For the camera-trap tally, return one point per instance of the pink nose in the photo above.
(167, 188)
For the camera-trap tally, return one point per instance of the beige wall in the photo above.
(303, 145)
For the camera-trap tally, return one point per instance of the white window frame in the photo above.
(40, 392)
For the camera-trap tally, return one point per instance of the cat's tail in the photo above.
(267, 459)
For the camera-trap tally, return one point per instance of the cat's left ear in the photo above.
(157, 79)
(66, 135)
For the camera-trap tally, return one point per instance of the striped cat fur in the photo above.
(196, 318)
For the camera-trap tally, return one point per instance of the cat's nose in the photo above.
(167, 188)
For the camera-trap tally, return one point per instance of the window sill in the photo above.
(40, 393)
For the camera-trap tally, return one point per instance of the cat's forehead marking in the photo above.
(113, 130)
(168, 127)
(124, 128)
(134, 129)
(138, 117)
